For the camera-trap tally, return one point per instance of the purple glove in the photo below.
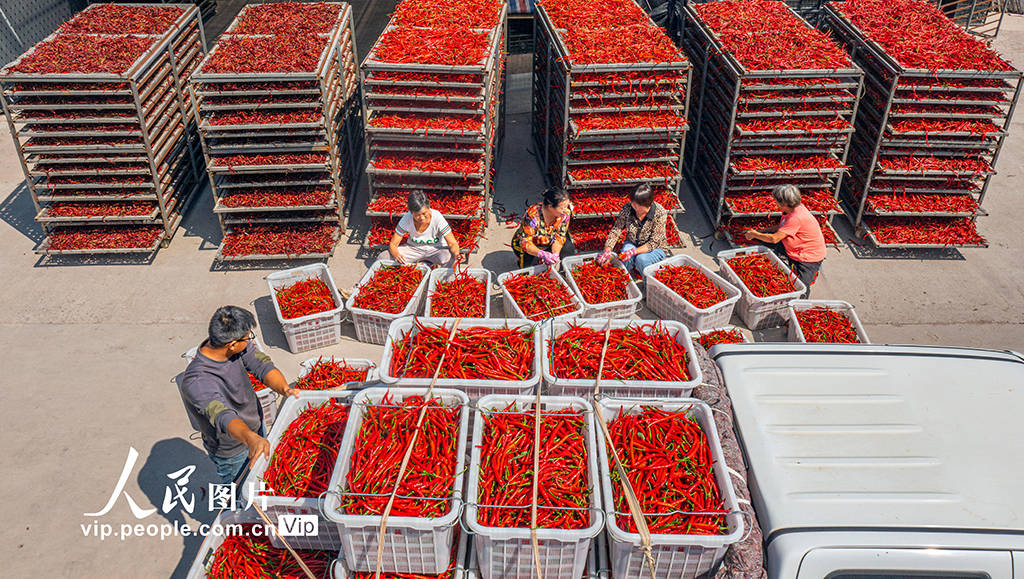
(547, 257)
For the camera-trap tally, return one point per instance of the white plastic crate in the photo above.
(340, 571)
(507, 553)
(695, 335)
(474, 388)
(371, 326)
(622, 309)
(444, 274)
(512, 309)
(411, 544)
(669, 305)
(621, 388)
(795, 334)
(315, 330)
(597, 562)
(372, 376)
(204, 558)
(675, 556)
(328, 538)
(266, 397)
(757, 312)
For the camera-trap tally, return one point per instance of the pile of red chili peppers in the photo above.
(126, 209)
(636, 352)
(303, 196)
(691, 284)
(288, 18)
(74, 53)
(304, 298)
(115, 19)
(714, 337)
(432, 163)
(102, 237)
(925, 230)
(460, 296)
(600, 284)
(390, 289)
(474, 353)
(304, 458)
(667, 459)
(824, 324)
(251, 556)
(506, 469)
(540, 296)
(327, 374)
(289, 239)
(262, 54)
(761, 276)
(384, 436)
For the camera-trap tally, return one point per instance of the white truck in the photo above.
(882, 461)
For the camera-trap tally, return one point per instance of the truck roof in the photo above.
(842, 436)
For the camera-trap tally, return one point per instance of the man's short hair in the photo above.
(230, 324)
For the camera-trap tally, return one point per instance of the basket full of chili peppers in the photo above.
(386, 292)
(607, 291)
(707, 339)
(308, 306)
(304, 447)
(250, 555)
(456, 570)
(538, 293)
(681, 288)
(331, 373)
(500, 486)
(482, 356)
(459, 293)
(672, 458)
(642, 359)
(422, 524)
(767, 285)
(828, 321)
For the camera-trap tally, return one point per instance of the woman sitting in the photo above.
(797, 236)
(430, 237)
(543, 234)
(644, 221)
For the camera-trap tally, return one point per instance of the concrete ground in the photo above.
(89, 352)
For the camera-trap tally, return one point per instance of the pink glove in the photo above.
(547, 257)
(628, 254)
(605, 257)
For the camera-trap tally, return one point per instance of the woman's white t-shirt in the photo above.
(432, 235)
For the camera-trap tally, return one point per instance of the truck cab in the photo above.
(882, 461)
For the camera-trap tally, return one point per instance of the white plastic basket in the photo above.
(340, 571)
(757, 312)
(266, 397)
(669, 305)
(694, 336)
(795, 334)
(371, 326)
(204, 558)
(621, 388)
(507, 553)
(512, 309)
(411, 544)
(597, 562)
(675, 556)
(372, 376)
(328, 538)
(474, 388)
(622, 309)
(315, 330)
(444, 274)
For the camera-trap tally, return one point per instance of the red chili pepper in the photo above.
(446, 45)
(277, 197)
(288, 18)
(303, 460)
(115, 19)
(277, 117)
(691, 284)
(600, 284)
(539, 296)
(475, 353)
(117, 209)
(714, 337)
(506, 470)
(256, 54)
(105, 237)
(326, 374)
(637, 352)
(279, 239)
(80, 53)
(925, 230)
(384, 435)
(761, 276)
(304, 298)
(823, 324)
(251, 556)
(667, 459)
(463, 296)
